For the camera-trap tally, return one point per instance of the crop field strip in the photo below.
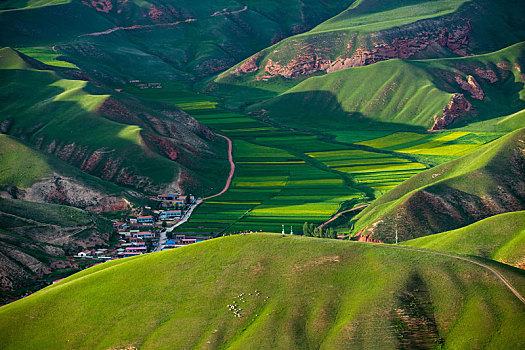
(436, 146)
(271, 186)
(289, 177)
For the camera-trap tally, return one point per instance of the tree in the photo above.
(332, 233)
(318, 232)
(306, 230)
(164, 224)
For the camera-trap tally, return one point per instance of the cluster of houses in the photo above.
(172, 206)
(142, 85)
(140, 235)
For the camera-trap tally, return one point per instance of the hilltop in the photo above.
(486, 182)
(499, 237)
(290, 292)
(119, 138)
(371, 31)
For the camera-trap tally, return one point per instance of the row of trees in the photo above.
(310, 230)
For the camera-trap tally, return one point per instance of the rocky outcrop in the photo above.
(404, 45)
(457, 107)
(472, 86)
(63, 190)
(365, 238)
(487, 74)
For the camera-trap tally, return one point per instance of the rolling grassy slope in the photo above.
(486, 182)
(399, 94)
(371, 31)
(146, 146)
(500, 237)
(296, 293)
(35, 239)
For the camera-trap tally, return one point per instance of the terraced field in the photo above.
(287, 177)
(435, 148)
(379, 171)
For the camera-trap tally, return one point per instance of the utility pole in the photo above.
(396, 235)
(291, 230)
(283, 229)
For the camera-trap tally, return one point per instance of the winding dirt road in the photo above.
(232, 168)
(341, 213)
(494, 271)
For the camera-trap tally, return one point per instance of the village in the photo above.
(148, 233)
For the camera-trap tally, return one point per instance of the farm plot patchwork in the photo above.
(436, 147)
(379, 171)
(285, 177)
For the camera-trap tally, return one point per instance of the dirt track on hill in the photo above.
(341, 213)
(232, 168)
(494, 271)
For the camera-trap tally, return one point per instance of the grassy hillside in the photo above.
(291, 292)
(172, 40)
(35, 239)
(114, 136)
(399, 94)
(486, 182)
(371, 31)
(36, 176)
(500, 237)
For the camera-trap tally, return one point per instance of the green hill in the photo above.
(35, 239)
(486, 182)
(143, 145)
(371, 31)
(500, 237)
(399, 94)
(172, 40)
(35, 176)
(291, 292)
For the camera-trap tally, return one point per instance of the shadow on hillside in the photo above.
(321, 111)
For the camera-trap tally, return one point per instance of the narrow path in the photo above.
(494, 271)
(232, 168)
(341, 213)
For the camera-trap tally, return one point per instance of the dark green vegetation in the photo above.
(500, 237)
(116, 41)
(114, 136)
(35, 239)
(291, 292)
(370, 31)
(486, 182)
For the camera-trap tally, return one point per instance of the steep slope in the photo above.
(180, 40)
(500, 237)
(35, 176)
(143, 145)
(290, 292)
(430, 94)
(371, 31)
(486, 182)
(35, 239)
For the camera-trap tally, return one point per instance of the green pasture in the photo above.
(46, 55)
(298, 293)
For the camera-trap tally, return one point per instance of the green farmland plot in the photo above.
(287, 177)
(433, 147)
